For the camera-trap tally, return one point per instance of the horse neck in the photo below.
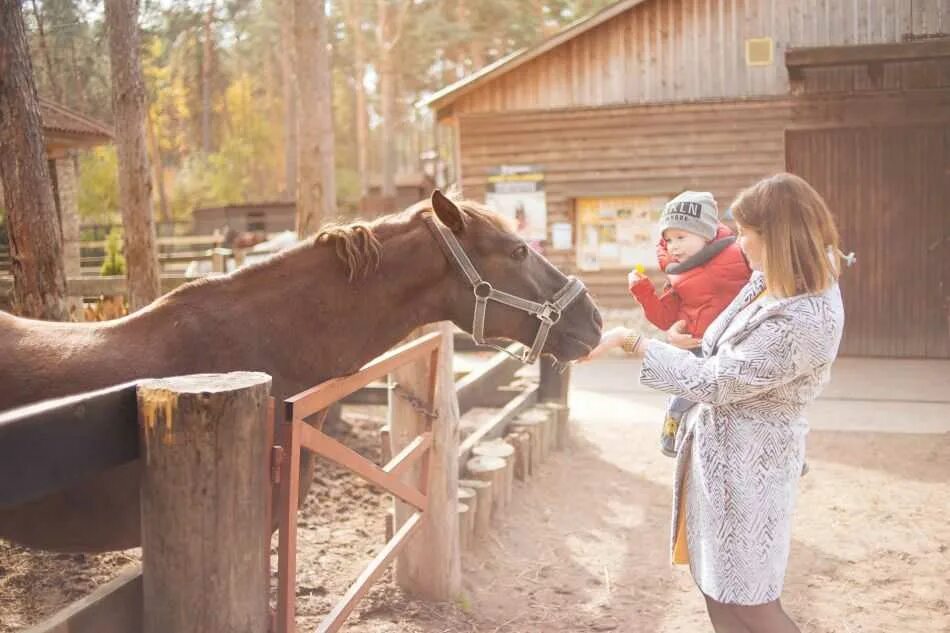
(299, 318)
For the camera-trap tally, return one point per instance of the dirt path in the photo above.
(585, 546)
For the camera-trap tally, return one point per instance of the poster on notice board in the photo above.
(517, 192)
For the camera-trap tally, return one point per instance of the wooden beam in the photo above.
(408, 456)
(495, 426)
(324, 445)
(338, 615)
(58, 442)
(308, 402)
(797, 59)
(481, 383)
(115, 607)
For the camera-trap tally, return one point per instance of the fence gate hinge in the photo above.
(276, 460)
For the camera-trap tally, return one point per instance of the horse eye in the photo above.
(520, 253)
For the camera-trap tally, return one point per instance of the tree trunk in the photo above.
(285, 55)
(388, 32)
(207, 50)
(135, 185)
(324, 119)
(362, 113)
(35, 233)
(313, 129)
(157, 167)
(387, 141)
(44, 49)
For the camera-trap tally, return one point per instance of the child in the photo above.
(705, 268)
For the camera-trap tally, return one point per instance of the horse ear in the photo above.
(448, 212)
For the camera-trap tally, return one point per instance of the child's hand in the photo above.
(636, 275)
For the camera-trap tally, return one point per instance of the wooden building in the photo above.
(623, 109)
(255, 217)
(65, 132)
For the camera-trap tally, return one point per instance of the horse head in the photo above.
(504, 289)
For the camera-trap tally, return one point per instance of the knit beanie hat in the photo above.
(692, 211)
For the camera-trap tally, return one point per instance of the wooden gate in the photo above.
(889, 189)
(296, 434)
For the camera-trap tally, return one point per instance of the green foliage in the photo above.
(114, 263)
(98, 185)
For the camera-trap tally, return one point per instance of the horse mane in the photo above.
(358, 247)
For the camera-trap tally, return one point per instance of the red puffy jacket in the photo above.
(700, 292)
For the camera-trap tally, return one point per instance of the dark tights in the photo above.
(762, 618)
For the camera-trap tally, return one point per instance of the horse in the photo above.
(319, 310)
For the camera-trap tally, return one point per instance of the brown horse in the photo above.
(319, 310)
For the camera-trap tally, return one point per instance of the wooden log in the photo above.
(522, 445)
(205, 524)
(503, 450)
(429, 566)
(490, 469)
(543, 418)
(385, 445)
(465, 513)
(467, 499)
(481, 519)
(390, 524)
(534, 427)
(561, 422)
(554, 385)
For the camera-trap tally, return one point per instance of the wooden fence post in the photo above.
(205, 517)
(553, 385)
(429, 566)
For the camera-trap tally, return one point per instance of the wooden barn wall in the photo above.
(634, 150)
(888, 188)
(688, 50)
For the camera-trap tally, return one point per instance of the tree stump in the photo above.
(560, 414)
(466, 514)
(503, 450)
(205, 449)
(481, 519)
(469, 500)
(534, 427)
(522, 445)
(385, 446)
(490, 469)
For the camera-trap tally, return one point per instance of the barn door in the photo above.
(889, 189)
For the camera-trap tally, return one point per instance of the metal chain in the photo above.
(417, 404)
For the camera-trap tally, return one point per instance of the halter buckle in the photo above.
(549, 314)
(482, 287)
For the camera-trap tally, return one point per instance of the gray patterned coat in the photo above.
(743, 445)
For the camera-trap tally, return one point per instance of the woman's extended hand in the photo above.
(610, 339)
(679, 337)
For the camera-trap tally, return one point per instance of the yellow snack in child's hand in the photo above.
(640, 269)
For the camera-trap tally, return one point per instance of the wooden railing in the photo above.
(296, 434)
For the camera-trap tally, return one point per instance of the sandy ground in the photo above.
(584, 547)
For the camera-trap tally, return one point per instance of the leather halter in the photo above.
(548, 313)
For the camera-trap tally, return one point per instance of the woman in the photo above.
(741, 448)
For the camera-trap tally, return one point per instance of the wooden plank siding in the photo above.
(690, 50)
(888, 187)
(634, 150)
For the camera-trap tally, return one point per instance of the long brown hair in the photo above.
(800, 240)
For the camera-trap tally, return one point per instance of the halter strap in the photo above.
(549, 313)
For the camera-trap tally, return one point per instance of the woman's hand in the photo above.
(609, 340)
(679, 337)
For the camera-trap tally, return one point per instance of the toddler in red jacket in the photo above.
(705, 269)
